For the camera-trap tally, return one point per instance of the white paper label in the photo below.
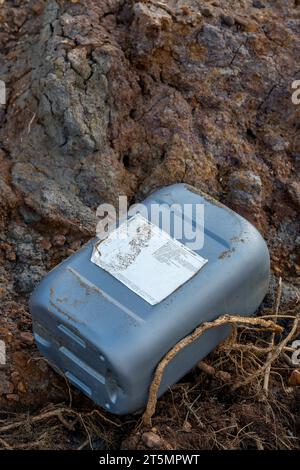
(146, 259)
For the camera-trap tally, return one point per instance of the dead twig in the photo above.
(273, 356)
(97, 412)
(252, 348)
(268, 369)
(57, 413)
(67, 424)
(87, 431)
(224, 320)
(84, 444)
(5, 444)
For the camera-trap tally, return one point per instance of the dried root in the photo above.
(43, 430)
(272, 356)
(268, 368)
(224, 320)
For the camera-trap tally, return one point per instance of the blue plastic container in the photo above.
(107, 339)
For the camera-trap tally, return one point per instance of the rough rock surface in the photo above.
(120, 97)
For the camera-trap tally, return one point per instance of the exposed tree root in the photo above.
(268, 369)
(273, 355)
(224, 320)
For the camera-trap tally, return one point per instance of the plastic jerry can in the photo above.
(108, 314)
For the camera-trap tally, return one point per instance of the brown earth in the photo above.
(120, 97)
